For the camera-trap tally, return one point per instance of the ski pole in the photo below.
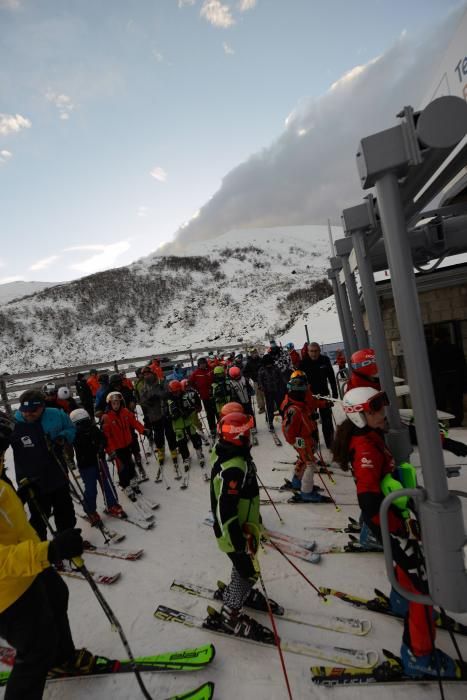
(297, 569)
(143, 448)
(273, 624)
(81, 566)
(325, 485)
(269, 497)
(205, 430)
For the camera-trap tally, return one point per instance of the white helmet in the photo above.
(114, 395)
(49, 389)
(63, 393)
(78, 415)
(364, 398)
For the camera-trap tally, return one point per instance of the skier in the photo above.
(117, 423)
(242, 391)
(201, 379)
(117, 384)
(364, 370)
(101, 394)
(293, 354)
(319, 372)
(271, 383)
(50, 393)
(155, 366)
(181, 412)
(152, 396)
(221, 390)
(33, 597)
(250, 371)
(360, 442)
(93, 382)
(65, 401)
(89, 447)
(281, 360)
(39, 440)
(300, 430)
(85, 394)
(235, 506)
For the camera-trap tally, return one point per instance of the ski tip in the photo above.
(203, 692)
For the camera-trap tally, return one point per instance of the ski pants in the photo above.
(419, 628)
(125, 466)
(259, 394)
(327, 425)
(242, 580)
(162, 430)
(182, 442)
(59, 504)
(91, 476)
(273, 402)
(37, 626)
(210, 409)
(135, 448)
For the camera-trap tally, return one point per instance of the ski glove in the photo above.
(65, 545)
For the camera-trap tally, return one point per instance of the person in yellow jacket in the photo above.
(33, 597)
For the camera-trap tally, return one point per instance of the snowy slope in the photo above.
(16, 290)
(322, 322)
(248, 284)
(180, 546)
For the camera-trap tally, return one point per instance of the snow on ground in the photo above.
(181, 546)
(322, 322)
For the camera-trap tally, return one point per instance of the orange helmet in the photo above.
(297, 373)
(175, 387)
(231, 407)
(364, 362)
(185, 384)
(235, 428)
(235, 372)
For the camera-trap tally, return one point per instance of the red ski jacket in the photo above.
(201, 380)
(116, 426)
(298, 427)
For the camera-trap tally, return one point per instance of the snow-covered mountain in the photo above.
(248, 284)
(16, 290)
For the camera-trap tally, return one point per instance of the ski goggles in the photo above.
(238, 429)
(364, 363)
(31, 406)
(373, 405)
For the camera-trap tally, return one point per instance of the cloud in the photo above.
(186, 3)
(308, 174)
(11, 123)
(158, 173)
(5, 156)
(157, 55)
(44, 262)
(227, 49)
(245, 5)
(217, 14)
(142, 211)
(62, 102)
(105, 258)
(10, 4)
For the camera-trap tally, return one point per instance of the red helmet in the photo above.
(235, 372)
(231, 407)
(235, 428)
(364, 362)
(185, 384)
(175, 387)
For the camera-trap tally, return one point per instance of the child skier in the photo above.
(181, 411)
(221, 389)
(117, 422)
(235, 506)
(89, 447)
(299, 430)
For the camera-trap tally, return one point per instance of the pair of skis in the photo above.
(194, 659)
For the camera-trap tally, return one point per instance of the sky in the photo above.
(128, 124)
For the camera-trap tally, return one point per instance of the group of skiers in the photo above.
(50, 430)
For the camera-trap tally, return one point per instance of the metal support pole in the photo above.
(398, 437)
(362, 339)
(332, 276)
(413, 338)
(352, 338)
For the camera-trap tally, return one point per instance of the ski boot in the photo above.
(200, 455)
(309, 497)
(203, 437)
(186, 464)
(82, 661)
(128, 491)
(135, 486)
(142, 474)
(160, 454)
(291, 485)
(368, 540)
(235, 622)
(257, 601)
(116, 511)
(94, 519)
(430, 665)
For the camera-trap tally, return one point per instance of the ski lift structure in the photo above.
(409, 165)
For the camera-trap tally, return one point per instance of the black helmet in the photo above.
(115, 378)
(201, 361)
(103, 378)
